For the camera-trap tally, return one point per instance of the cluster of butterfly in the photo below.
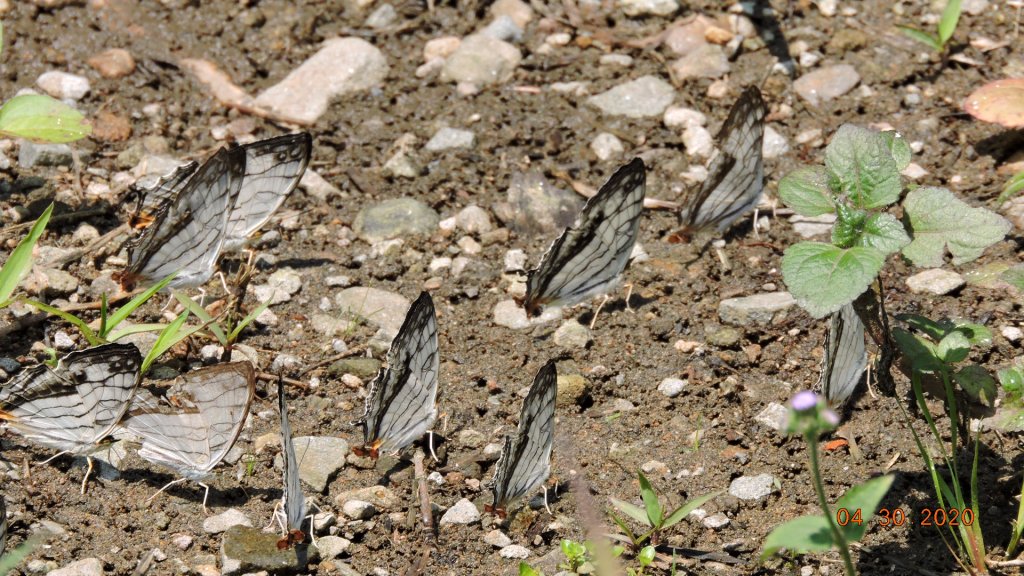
(93, 396)
(193, 214)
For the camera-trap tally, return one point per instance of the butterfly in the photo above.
(402, 402)
(525, 460)
(193, 438)
(75, 406)
(735, 174)
(588, 257)
(845, 356)
(188, 230)
(158, 192)
(294, 500)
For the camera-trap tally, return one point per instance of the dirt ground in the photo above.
(705, 437)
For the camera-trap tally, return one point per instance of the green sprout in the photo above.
(652, 515)
(20, 261)
(947, 25)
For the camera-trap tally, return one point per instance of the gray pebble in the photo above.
(221, 522)
(450, 138)
(644, 97)
(463, 512)
(672, 387)
(752, 487)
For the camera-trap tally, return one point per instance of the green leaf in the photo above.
(938, 219)
(1015, 276)
(684, 510)
(849, 225)
(919, 352)
(898, 147)
(70, 318)
(823, 277)
(650, 497)
(193, 307)
(625, 528)
(171, 335)
(976, 334)
(11, 558)
(954, 347)
(1013, 187)
(1012, 381)
(883, 232)
(801, 535)
(947, 24)
(926, 38)
(632, 510)
(20, 260)
(125, 311)
(41, 118)
(977, 383)
(646, 556)
(527, 570)
(805, 190)
(866, 498)
(233, 335)
(134, 329)
(861, 167)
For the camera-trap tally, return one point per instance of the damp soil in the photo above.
(705, 438)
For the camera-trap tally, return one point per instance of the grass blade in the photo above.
(203, 316)
(688, 507)
(124, 311)
(20, 260)
(233, 335)
(947, 25)
(929, 40)
(654, 512)
(68, 317)
(168, 337)
(632, 510)
(134, 329)
(1013, 187)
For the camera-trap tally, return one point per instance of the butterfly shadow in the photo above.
(636, 302)
(192, 491)
(399, 469)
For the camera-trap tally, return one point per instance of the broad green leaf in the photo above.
(976, 334)
(849, 225)
(12, 558)
(898, 147)
(884, 233)
(800, 536)
(1014, 186)
(1012, 381)
(20, 260)
(41, 118)
(861, 167)
(936, 330)
(527, 570)
(684, 510)
(918, 351)
(926, 38)
(978, 383)
(947, 24)
(938, 219)
(864, 497)
(1015, 276)
(823, 277)
(954, 347)
(650, 497)
(805, 190)
(632, 510)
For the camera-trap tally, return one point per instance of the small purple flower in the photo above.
(804, 401)
(830, 416)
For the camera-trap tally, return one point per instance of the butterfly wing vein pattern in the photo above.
(845, 356)
(294, 501)
(401, 405)
(525, 461)
(589, 256)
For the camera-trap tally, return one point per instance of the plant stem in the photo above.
(819, 487)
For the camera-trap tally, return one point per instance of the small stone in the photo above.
(471, 439)
(936, 281)
(716, 521)
(698, 141)
(341, 66)
(322, 458)
(440, 47)
(382, 17)
(773, 416)
(503, 28)
(571, 388)
(463, 512)
(450, 139)
(182, 541)
(440, 264)
(655, 467)
(752, 487)
(520, 12)
(811, 226)
(358, 510)
(515, 260)
(280, 286)
(620, 60)
(285, 363)
(474, 220)
(535, 206)
(914, 171)
(497, 538)
(481, 60)
(469, 246)
(724, 337)
(510, 315)
(31, 154)
(316, 186)
(221, 522)
(845, 40)
(332, 546)
(758, 309)
(113, 63)
(381, 497)
(62, 85)
(672, 387)
(572, 334)
(1011, 333)
(774, 144)
(681, 40)
(394, 218)
(61, 341)
(706, 61)
(634, 8)
(84, 567)
(680, 117)
(514, 551)
(644, 97)
(826, 84)
(607, 146)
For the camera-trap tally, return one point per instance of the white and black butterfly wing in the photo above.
(525, 461)
(273, 168)
(294, 500)
(194, 438)
(154, 194)
(736, 172)
(74, 406)
(187, 233)
(589, 256)
(402, 403)
(845, 356)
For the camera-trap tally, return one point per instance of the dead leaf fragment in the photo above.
(1001, 102)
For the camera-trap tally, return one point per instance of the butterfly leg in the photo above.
(275, 517)
(756, 214)
(593, 321)
(205, 497)
(629, 294)
(546, 507)
(223, 282)
(85, 480)
(166, 486)
(430, 444)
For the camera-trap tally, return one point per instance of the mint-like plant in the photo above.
(858, 183)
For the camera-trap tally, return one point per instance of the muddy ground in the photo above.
(705, 438)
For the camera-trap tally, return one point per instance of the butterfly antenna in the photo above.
(430, 444)
(205, 497)
(166, 486)
(593, 321)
